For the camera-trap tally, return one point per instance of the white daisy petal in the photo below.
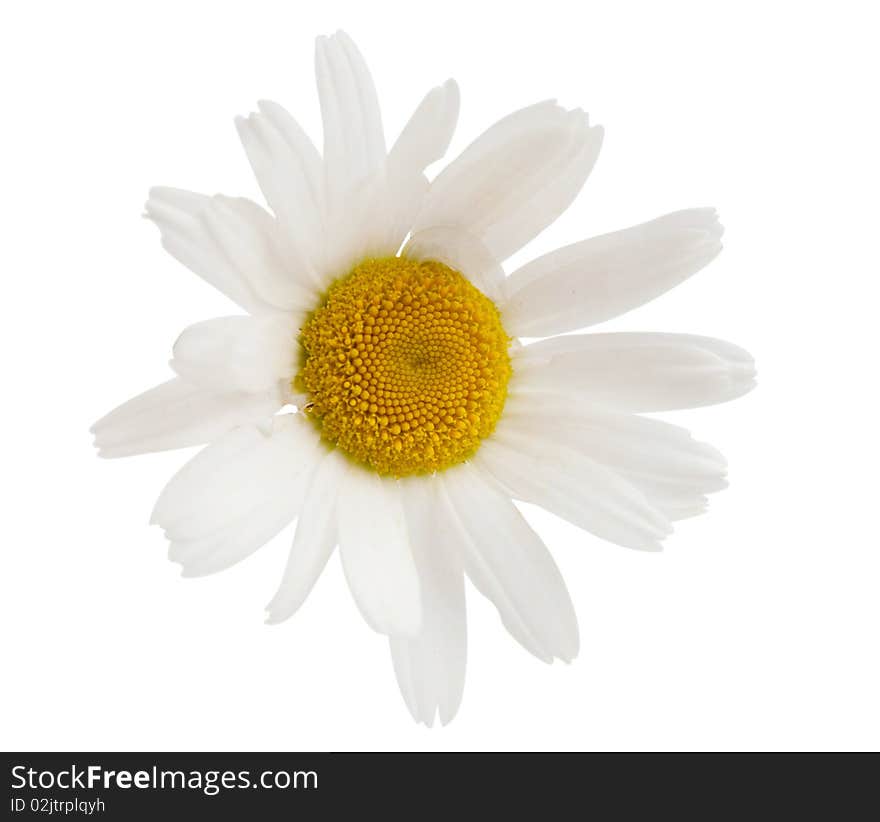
(173, 503)
(549, 194)
(665, 463)
(354, 142)
(314, 541)
(358, 208)
(430, 667)
(515, 179)
(237, 541)
(232, 476)
(236, 494)
(674, 500)
(376, 555)
(177, 414)
(423, 141)
(304, 155)
(638, 372)
(597, 279)
(251, 354)
(573, 486)
(231, 243)
(427, 135)
(509, 564)
(364, 229)
(288, 169)
(461, 251)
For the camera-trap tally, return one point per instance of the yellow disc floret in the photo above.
(405, 366)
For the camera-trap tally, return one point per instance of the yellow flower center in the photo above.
(405, 367)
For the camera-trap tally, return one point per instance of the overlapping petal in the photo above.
(376, 554)
(234, 245)
(430, 666)
(423, 141)
(653, 463)
(178, 414)
(315, 539)
(249, 354)
(515, 179)
(358, 208)
(236, 494)
(288, 169)
(509, 564)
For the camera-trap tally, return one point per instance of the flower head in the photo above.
(377, 307)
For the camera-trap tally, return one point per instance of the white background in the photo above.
(757, 628)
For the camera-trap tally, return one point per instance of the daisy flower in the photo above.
(375, 390)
